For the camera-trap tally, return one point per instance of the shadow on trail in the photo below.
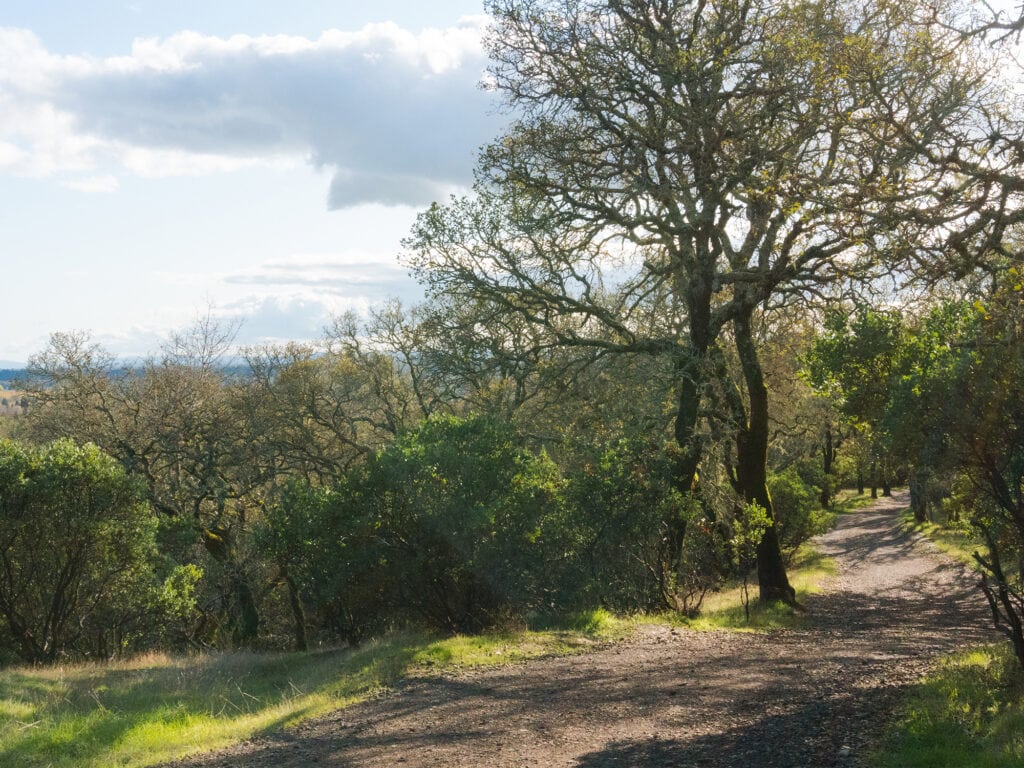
(788, 740)
(805, 734)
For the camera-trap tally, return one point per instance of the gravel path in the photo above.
(804, 698)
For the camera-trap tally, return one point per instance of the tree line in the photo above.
(727, 256)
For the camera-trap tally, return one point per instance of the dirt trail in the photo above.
(801, 698)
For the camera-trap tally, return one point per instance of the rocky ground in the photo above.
(813, 697)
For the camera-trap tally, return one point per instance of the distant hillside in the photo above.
(8, 375)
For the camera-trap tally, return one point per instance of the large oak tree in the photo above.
(677, 166)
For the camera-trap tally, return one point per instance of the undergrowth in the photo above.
(970, 710)
(724, 609)
(956, 541)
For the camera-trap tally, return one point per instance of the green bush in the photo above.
(454, 523)
(797, 511)
(77, 548)
(638, 544)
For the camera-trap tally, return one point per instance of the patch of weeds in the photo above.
(969, 712)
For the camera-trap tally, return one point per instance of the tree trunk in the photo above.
(689, 371)
(918, 499)
(828, 457)
(752, 468)
(298, 614)
(248, 619)
(684, 469)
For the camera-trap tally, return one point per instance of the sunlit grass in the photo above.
(969, 712)
(724, 610)
(848, 500)
(956, 541)
(157, 708)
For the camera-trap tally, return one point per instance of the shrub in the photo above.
(638, 543)
(453, 523)
(77, 546)
(797, 512)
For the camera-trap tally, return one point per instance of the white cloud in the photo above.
(162, 163)
(92, 184)
(272, 320)
(10, 155)
(339, 281)
(396, 116)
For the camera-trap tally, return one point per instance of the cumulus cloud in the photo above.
(396, 116)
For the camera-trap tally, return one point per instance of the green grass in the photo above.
(724, 610)
(156, 708)
(847, 500)
(958, 542)
(969, 712)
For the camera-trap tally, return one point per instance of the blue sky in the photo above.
(159, 159)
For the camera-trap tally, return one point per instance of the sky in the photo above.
(257, 160)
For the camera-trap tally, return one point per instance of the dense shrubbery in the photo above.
(458, 526)
(639, 543)
(453, 523)
(77, 554)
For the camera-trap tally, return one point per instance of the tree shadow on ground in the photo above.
(811, 736)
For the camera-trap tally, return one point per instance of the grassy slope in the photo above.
(152, 709)
(155, 708)
(970, 710)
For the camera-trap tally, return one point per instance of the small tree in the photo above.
(76, 549)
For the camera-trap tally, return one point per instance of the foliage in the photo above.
(854, 362)
(797, 510)
(175, 425)
(623, 512)
(76, 550)
(748, 530)
(453, 522)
